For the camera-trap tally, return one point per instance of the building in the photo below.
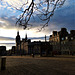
(2, 50)
(21, 45)
(58, 36)
(25, 46)
(63, 42)
(60, 42)
(41, 48)
(68, 44)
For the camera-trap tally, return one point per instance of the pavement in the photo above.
(26, 65)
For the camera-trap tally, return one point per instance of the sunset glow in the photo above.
(63, 17)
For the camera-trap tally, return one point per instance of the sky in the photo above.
(63, 17)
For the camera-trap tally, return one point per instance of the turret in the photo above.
(26, 37)
(17, 39)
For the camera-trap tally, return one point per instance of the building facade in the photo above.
(63, 42)
(60, 42)
(25, 46)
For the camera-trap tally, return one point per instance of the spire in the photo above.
(26, 37)
(17, 38)
(17, 32)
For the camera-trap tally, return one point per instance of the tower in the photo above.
(18, 39)
(45, 38)
(26, 37)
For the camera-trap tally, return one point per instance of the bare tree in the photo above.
(43, 9)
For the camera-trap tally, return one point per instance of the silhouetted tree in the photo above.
(44, 9)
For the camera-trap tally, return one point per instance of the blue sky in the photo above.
(63, 17)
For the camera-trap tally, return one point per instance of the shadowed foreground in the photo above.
(17, 65)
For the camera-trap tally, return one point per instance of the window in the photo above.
(66, 38)
(62, 38)
(71, 38)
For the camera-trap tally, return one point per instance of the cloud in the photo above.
(8, 22)
(63, 17)
(8, 45)
(6, 38)
(3, 5)
(42, 38)
(17, 3)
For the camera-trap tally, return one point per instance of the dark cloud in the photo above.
(12, 39)
(63, 17)
(7, 38)
(8, 43)
(42, 38)
(7, 22)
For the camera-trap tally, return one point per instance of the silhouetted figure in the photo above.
(33, 55)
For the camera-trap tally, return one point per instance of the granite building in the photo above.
(25, 46)
(22, 45)
(60, 42)
(63, 42)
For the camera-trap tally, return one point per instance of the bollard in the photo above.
(2, 58)
(2, 63)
